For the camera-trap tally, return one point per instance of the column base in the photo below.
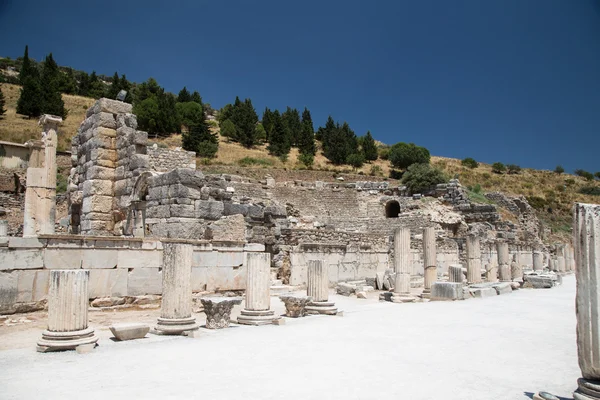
(426, 294)
(252, 317)
(402, 298)
(321, 307)
(173, 326)
(587, 390)
(56, 341)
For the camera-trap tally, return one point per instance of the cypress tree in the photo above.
(2, 102)
(279, 144)
(68, 83)
(184, 96)
(291, 120)
(306, 142)
(244, 118)
(115, 87)
(199, 139)
(351, 140)
(27, 68)
(50, 81)
(324, 133)
(336, 150)
(369, 148)
(267, 122)
(30, 100)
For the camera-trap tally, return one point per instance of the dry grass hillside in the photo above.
(550, 193)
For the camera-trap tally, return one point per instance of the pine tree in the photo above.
(2, 103)
(196, 98)
(244, 118)
(30, 100)
(96, 87)
(279, 144)
(306, 141)
(324, 133)
(114, 88)
(336, 150)
(124, 84)
(84, 84)
(68, 83)
(27, 68)
(50, 81)
(369, 148)
(267, 122)
(199, 139)
(184, 96)
(291, 120)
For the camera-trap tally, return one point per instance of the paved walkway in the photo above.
(493, 348)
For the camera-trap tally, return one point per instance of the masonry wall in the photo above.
(118, 267)
(162, 159)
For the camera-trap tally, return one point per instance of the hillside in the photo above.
(550, 193)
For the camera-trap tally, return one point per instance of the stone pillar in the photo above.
(503, 262)
(538, 261)
(429, 259)
(491, 271)
(586, 232)
(317, 289)
(473, 259)
(40, 196)
(516, 269)
(455, 273)
(560, 258)
(67, 312)
(176, 305)
(3, 228)
(402, 266)
(258, 297)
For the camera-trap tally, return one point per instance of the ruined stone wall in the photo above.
(163, 160)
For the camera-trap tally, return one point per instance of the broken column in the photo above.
(429, 260)
(473, 260)
(317, 289)
(40, 196)
(402, 266)
(67, 312)
(258, 300)
(491, 271)
(538, 260)
(3, 228)
(503, 262)
(516, 269)
(176, 305)
(455, 273)
(560, 258)
(586, 232)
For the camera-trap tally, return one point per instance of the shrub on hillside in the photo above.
(306, 159)
(513, 169)
(539, 203)
(384, 153)
(597, 175)
(375, 170)
(591, 190)
(249, 161)
(356, 160)
(584, 174)
(569, 181)
(498, 168)
(469, 163)
(559, 169)
(421, 177)
(403, 155)
(228, 129)
(396, 174)
(207, 149)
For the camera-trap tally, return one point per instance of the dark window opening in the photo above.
(392, 209)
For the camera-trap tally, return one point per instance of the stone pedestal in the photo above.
(538, 261)
(402, 266)
(258, 301)
(455, 273)
(429, 260)
(586, 232)
(473, 260)
(67, 312)
(295, 306)
(39, 213)
(503, 262)
(318, 289)
(218, 310)
(176, 305)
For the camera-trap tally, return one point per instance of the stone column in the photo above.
(67, 312)
(538, 261)
(586, 234)
(503, 262)
(402, 266)
(473, 259)
(491, 271)
(258, 297)
(176, 305)
(3, 228)
(317, 289)
(40, 196)
(429, 260)
(516, 269)
(455, 273)
(560, 258)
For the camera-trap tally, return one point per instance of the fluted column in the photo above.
(258, 298)
(176, 305)
(560, 258)
(455, 273)
(538, 261)
(473, 259)
(317, 289)
(67, 312)
(402, 266)
(429, 260)
(586, 234)
(516, 269)
(503, 262)
(3, 228)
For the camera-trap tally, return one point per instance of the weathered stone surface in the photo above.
(402, 266)
(218, 310)
(295, 306)
(447, 291)
(539, 282)
(429, 258)
(473, 259)
(345, 289)
(129, 331)
(209, 209)
(257, 306)
(109, 106)
(230, 228)
(503, 288)
(32, 285)
(483, 292)
(142, 281)
(108, 282)
(361, 295)
(455, 273)
(8, 290)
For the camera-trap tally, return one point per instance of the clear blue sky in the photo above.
(516, 81)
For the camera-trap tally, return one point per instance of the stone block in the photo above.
(109, 106)
(204, 259)
(186, 176)
(209, 209)
(139, 161)
(32, 285)
(62, 258)
(158, 212)
(108, 283)
(483, 292)
(21, 259)
(179, 190)
(230, 259)
(181, 210)
(230, 228)
(503, 288)
(250, 247)
(103, 154)
(219, 278)
(99, 204)
(447, 291)
(128, 258)
(97, 187)
(276, 211)
(230, 208)
(142, 281)
(8, 290)
(129, 331)
(199, 279)
(99, 258)
(16, 242)
(102, 173)
(127, 119)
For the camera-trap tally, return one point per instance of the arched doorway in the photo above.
(392, 209)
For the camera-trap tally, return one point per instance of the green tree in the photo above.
(356, 160)
(279, 143)
(67, 83)
(145, 90)
(199, 139)
(513, 169)
(225, 113)
(306, 141)
(30, 100)
(306, 159)
(96, 86)
(584, 174)
(114, 88)
(28, 69)
(2, 103)
(147, 114)
(260, 134)
(184, 96)
(597, 174)
(52, 102)
(335, 146)
(228, 130)
(244, 118)
(84, 84)
(369, 148)
(323, 132)
(559, 169)
(469, 162)
(196, 97)
(168, 118)
(267, 122)
(190, 114)
(421, 177)
(498, 168)
(293, 125)
(402, 155)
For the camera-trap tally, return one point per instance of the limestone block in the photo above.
(186, 176)
(62, 258)
(256, 212)
(447, 291)
(21, 259)
(101, 140)
(182, 210)
(32, 285)
(102, 173)
(103, 154)
(127, 119)
(100, 120)
(199, 279)
(140, 138)
(503, 288)
(276, 211)
(483, 292)
(230, 208)
(128, 258)
(8, 290)
(129, 331)
(179, 190)
(109, 106)
(230, 259)
(100, 204)
(144, 281)
(230, 228)
(158, 212)
(137, 161)
(16, 242)
(205, 258)
(108, 283)
(209, 209)
(219, 278)
(254, 247)
(97, 187)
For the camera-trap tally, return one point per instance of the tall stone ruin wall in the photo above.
(163, 160)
